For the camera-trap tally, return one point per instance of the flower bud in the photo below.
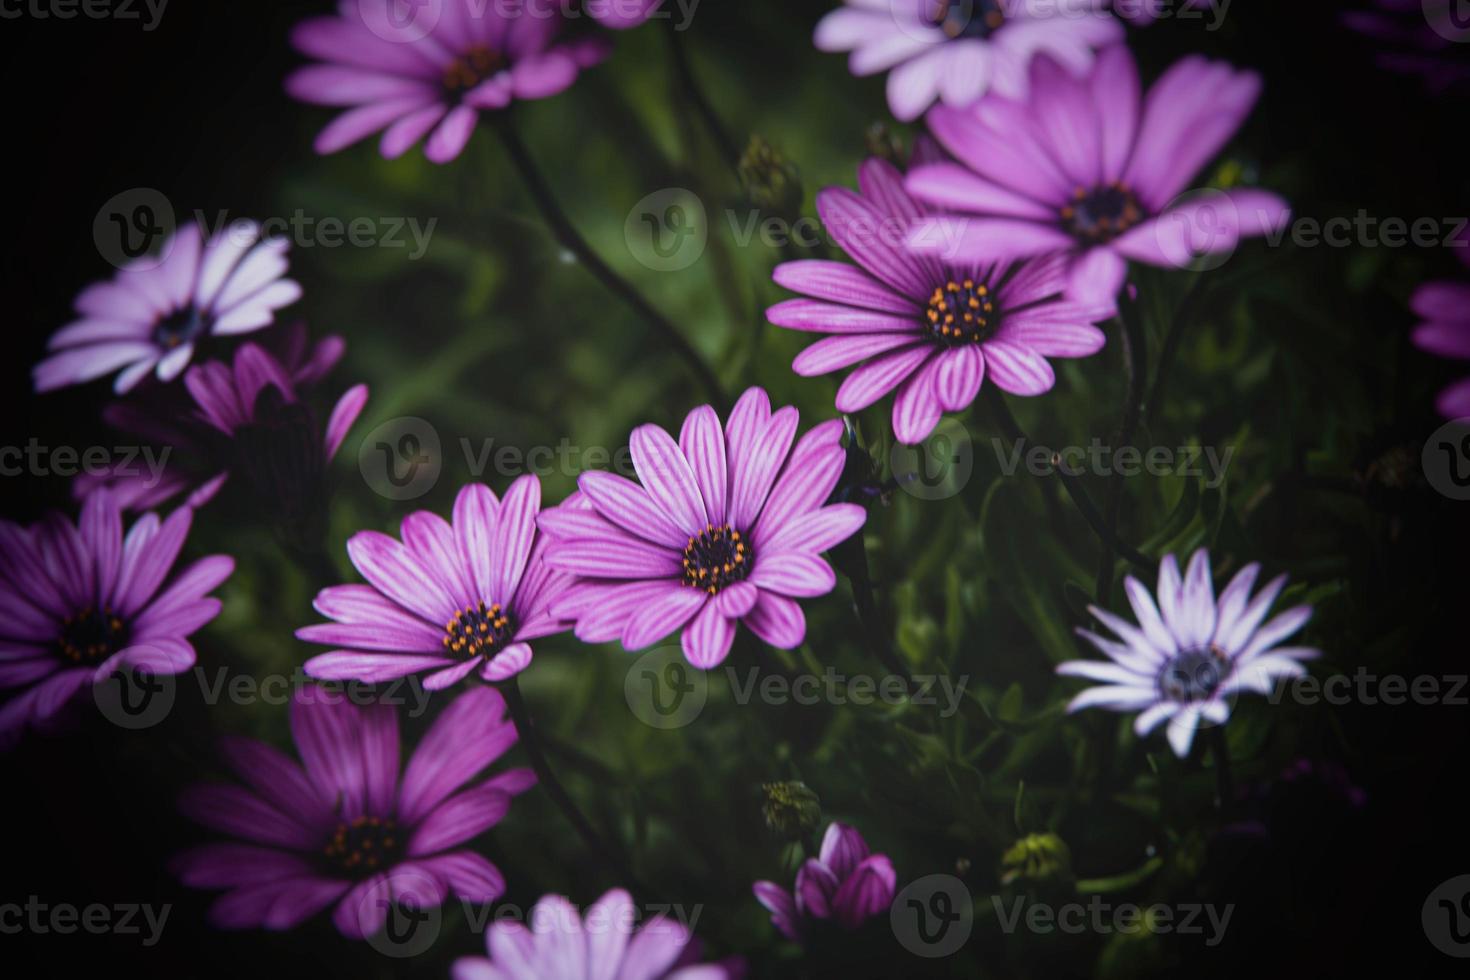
(885, 144)
(791, 809)
(771, 182)
(1036, 858)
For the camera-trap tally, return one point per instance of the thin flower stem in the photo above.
(1071, 482)
(531, 741)
(566, 233)
(1220, 752)
(1183, 316)
(1135, 356)
(869, 618)
(689, 83)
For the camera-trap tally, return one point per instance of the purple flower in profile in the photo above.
(1190, 655)
(933, 330)
(343, 826)
(958, 50)
(152, 315)
(1445, 330)
(432, 73)
(844, 884)
(199, 437)
(1418, 37)
(271, 438)
(448, 598)
(80, 601)
(1088, 169)
(558, 943)
(726, 527)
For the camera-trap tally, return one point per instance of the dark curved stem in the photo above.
(875, 633)
(1183, 316)
(531, 741)
(1135, 356)
(1224, 784)
(689, 83)
(1071, 482)
(566, 233)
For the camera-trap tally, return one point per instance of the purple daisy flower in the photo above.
(433, 75)
(157, 309)
(201, 450)
(1445, 330)
(1419, 37)
(1087, 168)
(844, 884)
(559, 943)
(958, 50)
(1190, 655)
(343, 826)
(80, 601)
(449, 598)
(931, 329)
(726, 527)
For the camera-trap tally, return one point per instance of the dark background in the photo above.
(196, 109)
